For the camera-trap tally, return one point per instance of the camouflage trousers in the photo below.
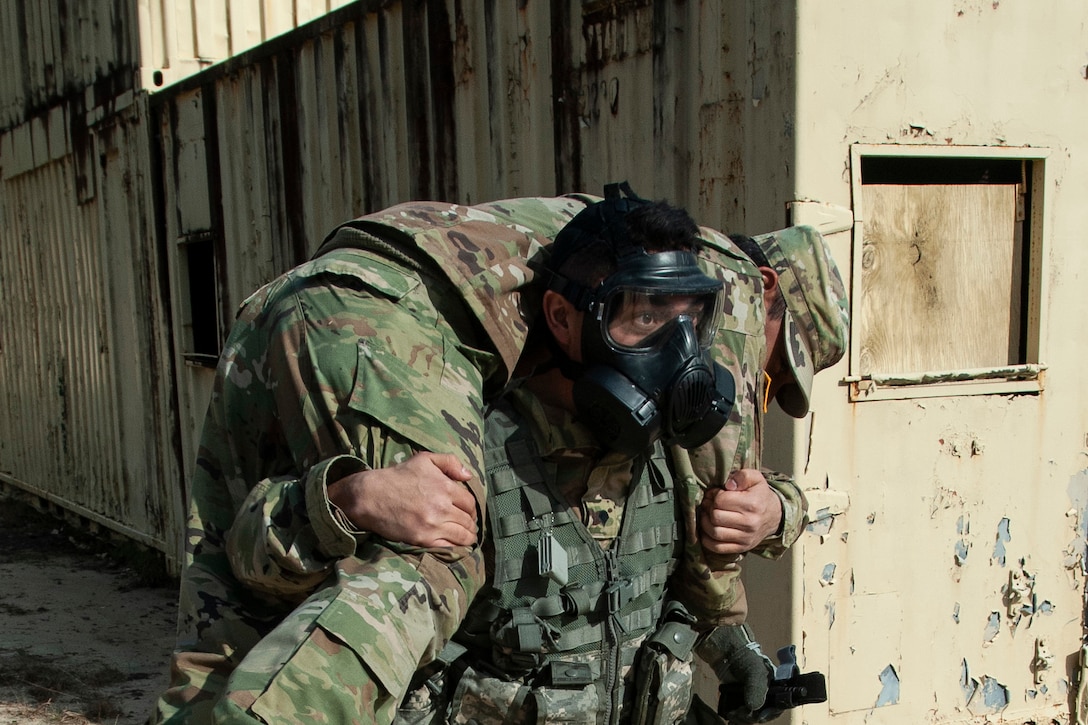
(340, 657)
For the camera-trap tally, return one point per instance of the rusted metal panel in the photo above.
(52, 361)
(84, 360)
(55, 50)
(361, 113)
(950, 587)
(140, 332)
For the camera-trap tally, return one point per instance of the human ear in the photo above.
(770, 279)
(770, 286)
(559, 313)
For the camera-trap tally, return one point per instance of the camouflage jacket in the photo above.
(277, 431)
(713, 590)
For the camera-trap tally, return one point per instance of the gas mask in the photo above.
(646, 371)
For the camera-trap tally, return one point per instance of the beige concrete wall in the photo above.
(950, 551)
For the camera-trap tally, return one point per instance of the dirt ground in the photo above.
(86, 624)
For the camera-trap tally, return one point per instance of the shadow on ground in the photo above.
(86, 623)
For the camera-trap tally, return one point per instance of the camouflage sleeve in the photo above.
(287, 534)
(708, 585)
(794, 516)
(360, 371)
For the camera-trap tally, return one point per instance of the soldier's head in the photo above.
(632, 315)
(807, 312)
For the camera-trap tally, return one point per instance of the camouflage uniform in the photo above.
(380, 346)
(269, 450)
(815, 326)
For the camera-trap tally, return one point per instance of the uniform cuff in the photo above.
(336, 535)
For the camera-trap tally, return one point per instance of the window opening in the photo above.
(203, 324)
(946, 272)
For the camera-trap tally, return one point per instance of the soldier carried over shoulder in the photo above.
(388, 343)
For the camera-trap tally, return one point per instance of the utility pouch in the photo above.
(569, 706)
(568, 674)
(480, 697)
(663, 674)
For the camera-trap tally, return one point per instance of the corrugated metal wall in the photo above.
(65, 49)
(86, 370)
(93, 51)
(181, 37)
(362, 107)
(467, 102)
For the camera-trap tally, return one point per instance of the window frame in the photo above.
(203, 317)
(1026, 378)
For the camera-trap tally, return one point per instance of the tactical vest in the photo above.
(562, 618)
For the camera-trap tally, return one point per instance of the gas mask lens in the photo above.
(641, 320)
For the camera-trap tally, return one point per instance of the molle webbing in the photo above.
(569, 611)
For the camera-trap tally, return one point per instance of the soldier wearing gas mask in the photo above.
(645, 373)
(577, 622)
(582, 617)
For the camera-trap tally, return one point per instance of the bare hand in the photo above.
(422, 502)
(735, 519)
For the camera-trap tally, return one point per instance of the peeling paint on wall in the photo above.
(963, 528)
(967, 684)
(993, 627)
(1075, 553)
(956, 613)
(1003, 537)
(889, 692)
(821, 523)
(990, 697)
(961, 552)
(830, 607)
(828, 575)
(945, 499)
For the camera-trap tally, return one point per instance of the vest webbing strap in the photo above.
(650, 538)
(644, 618)
(537, 500)
(596, 598)
(513, 569)
(518, 524)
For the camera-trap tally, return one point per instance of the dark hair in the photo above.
(751, 249)
(591, 251)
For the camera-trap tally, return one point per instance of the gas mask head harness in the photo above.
(646, 372)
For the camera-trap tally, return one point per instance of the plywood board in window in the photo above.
(938, 289)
